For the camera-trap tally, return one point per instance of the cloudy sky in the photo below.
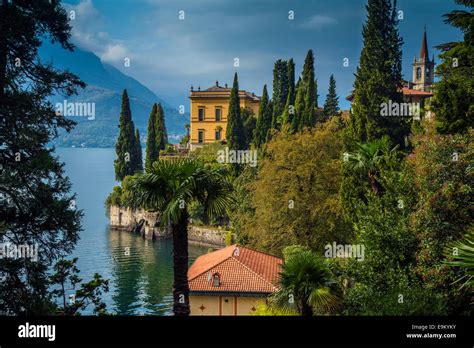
(169, 54)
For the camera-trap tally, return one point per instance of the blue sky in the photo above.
(168, 55)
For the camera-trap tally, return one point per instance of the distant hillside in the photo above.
(104, 88)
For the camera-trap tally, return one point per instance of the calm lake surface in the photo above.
(141, 282)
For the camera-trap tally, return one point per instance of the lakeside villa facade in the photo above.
(230, 281)
(208, 113)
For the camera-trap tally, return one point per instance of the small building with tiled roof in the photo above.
(208, 113)
(231, 280)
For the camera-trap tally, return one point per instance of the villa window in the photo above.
(218, 135)
(200, 136)
(201, 114)
(218, 113)
(216, 280)
(418, 73)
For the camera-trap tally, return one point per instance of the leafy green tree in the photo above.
(378, 77)
(36, 207)
(297, 122)
(439, 172)
(453, 101)
(296, 186)
(127, 162)
(66, 278)
(305, 285)
(331, 105)
(264, 120)
(170, 187)
(152, 151)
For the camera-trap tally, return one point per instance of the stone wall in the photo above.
(206, 236)
(148, 225)
(138, 221)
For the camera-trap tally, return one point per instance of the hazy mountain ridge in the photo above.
(105, 84)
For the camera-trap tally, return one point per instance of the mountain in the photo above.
(104, 88)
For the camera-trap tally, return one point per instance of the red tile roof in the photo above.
(408, 91)
(240, 269)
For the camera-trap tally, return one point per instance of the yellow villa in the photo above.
(209, 109)
(231, 280)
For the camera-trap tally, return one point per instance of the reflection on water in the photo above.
(140, 271)
(143, 273)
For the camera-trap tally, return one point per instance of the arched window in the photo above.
(418, 73)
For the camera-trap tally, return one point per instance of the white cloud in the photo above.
(87, 33)
(318, 21)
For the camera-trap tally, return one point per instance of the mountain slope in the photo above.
(104, 88)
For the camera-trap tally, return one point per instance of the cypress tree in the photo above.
(331, 105)
(160, 129)
(289, 112)
(127, 161)
(297, 122)
(378, 78)
(280, 91)
(152, 152)
(138, 147)
(235, 129)
(316, 105)
(263, 123)
(308, 117)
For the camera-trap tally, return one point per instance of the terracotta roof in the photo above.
(408, 91)
(221, 92)
(240, 270)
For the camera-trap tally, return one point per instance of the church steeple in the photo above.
(424, 47)
(423, 67)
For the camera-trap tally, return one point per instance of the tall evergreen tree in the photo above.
(280, 91)
(309, 116)
(125, 148)
(453, 102)
(235, 130)
(289, 111)
(297, 123)
(152, 152)
(138, 147)
(264, 120)
(316, 105)
(331, 105)
(160, 129)
(36, 207)
(378, 78)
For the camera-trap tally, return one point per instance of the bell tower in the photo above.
(423, 68)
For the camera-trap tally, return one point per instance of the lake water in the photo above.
(141, 279)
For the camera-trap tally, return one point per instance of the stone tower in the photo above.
(423, 68)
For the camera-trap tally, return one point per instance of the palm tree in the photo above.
(463, 257)
(170, 187)
(304, 285)
(369, 157)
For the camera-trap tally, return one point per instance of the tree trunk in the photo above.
(306, 310)
(376, 187)
(180, 265)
